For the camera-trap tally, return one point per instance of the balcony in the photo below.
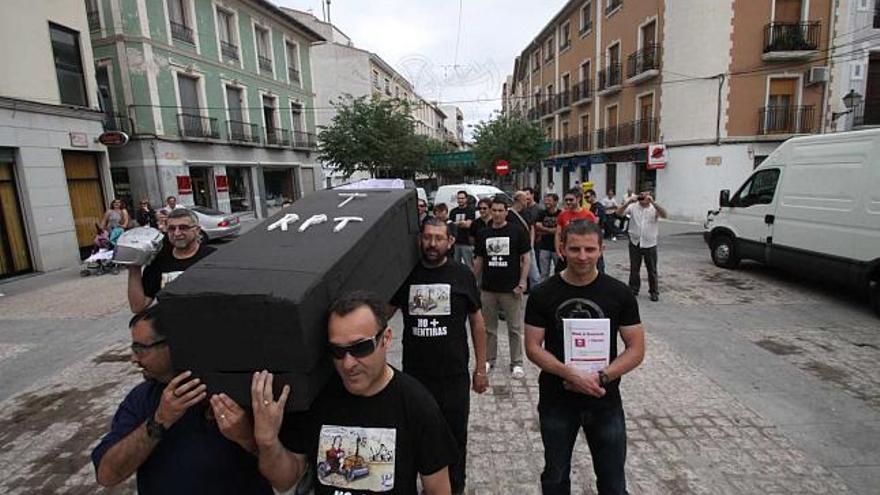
(242, 132)
(182, 32)
(612, 6)
(265, 63)
(118, 122)
(582, 92)
(563, 101)
(609, 79)
(864, 115)
(786, 119)
(547, 107)
(607, 137)
(94, 20)
(643, 64)
(304, 140)
(293, 75)
(229, 51)
(197, 126)
(641, 131)
(277, 137)
(791, 41)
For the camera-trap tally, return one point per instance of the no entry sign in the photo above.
(502, 167)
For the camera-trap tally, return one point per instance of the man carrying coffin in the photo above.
(437, 298)
(371, 429)
(570, 396)
(166, 433)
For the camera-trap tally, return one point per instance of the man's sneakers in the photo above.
(488, 367)
(518, 373)
(655, 297)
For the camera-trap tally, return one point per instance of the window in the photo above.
(238, 128)
(565, 37)
(758, 190)
(864, 5)
(857, 70)
(263, 54)
(296, 116)
(536, 60)
(548, 56)
(586, 17)
(269, 115)
(93, 15)
(179, 21)
(226, 33)
(293, 75)
(376, 80)
(584, 72)
(388, 86)
(68, 66)
(565, 83)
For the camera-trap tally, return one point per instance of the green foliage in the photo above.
(373, 135)
(510, 138)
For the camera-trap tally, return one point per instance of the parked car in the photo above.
(812, 207)
(446, 194)
(215, 224)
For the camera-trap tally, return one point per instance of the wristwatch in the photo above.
(603, 378)
(155, 429)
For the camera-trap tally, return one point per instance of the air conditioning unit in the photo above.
(817, 75)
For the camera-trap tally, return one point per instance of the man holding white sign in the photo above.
(571, 324)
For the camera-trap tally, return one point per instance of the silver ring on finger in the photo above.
(265, 403)
(223, 416)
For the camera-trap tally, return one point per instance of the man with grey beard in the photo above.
(182, 233)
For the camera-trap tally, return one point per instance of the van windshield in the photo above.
(758, 190)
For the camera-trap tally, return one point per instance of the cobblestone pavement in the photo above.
(702, 410)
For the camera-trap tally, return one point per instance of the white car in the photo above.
(215, 224)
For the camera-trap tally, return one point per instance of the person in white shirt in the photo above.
(644, 214)
(610, 204)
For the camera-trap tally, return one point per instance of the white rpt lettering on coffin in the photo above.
(349, 197)
(343, 221)
(284, 222)
(314, 220)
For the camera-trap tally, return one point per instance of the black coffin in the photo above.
(261, 302)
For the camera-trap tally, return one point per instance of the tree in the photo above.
(372, 135)
(508, 137)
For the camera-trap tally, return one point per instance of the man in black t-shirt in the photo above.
(371, 429)
(482, 220)
(437, 298)
(183, 234)
(463, 216)
(572, 397)
(545, 227)
(441, 213)
(501, 257)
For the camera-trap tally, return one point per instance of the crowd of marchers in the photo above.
(378, 429)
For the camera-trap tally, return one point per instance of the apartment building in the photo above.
(720, 83)
(454, 124)
(430, 120)
(54, 176)
(857, 69)
(217, 96)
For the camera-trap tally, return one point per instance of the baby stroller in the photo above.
(101, 259)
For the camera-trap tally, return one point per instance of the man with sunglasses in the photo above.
(371, 429)
(572, 211)
(436, 299)
(166, 433)
(182, 232)
(463, 215)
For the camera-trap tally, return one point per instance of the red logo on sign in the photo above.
(580, 342)
(222, 183)
(184, 184)
(502, 167)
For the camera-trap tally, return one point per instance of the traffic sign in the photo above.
(502, 167)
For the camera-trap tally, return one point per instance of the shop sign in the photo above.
(222, 183)
(79, 139)
(184, 184)
(656, 156)
(113, 138)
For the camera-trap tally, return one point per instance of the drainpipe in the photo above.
(721, 78)
(156, 166)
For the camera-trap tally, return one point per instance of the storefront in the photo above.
(85, 188)
(281, 188)
(15, 256)
(241, 193)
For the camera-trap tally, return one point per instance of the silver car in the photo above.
(215, 224)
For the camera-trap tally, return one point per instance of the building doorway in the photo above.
(241, 198)
(122, 187)
(281, 188)
(15, 256)
(646, 180)
(86, 196)
(203, 193)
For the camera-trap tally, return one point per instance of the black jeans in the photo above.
(636, 254)
(453, 395)
(605, 429)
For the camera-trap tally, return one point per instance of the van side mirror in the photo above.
(724, 198)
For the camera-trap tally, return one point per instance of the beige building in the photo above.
(55, 178)
(720, 82)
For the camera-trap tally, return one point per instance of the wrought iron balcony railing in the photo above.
(786, 119)
(293, 74)
(609, 77)
(644, 60)
(230, 51)
(795, 36)
(265, 63)
(277, 137)
(94, 20)
(182, 32)
(304, 140)
(582, 90)
(197, 126)
(242, 132)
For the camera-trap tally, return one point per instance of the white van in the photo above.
(813, 207)
(447, 194)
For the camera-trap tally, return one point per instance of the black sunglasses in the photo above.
(138, 348)
(359, 349)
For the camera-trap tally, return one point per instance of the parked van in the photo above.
(446, 194)
(813, 206)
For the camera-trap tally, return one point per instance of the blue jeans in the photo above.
(605, 429)
(534, 275)
(545, 259)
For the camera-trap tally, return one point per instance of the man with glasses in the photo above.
(463, 215)
(423, 211)
(545, 227)
(501, 258)
(437, 298)
(182, 232)
(482, 220)
(166, 433)
(371, 429)
(644, 229)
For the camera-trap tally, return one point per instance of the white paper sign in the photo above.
(587, 343)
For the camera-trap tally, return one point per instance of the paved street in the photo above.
(754, 382)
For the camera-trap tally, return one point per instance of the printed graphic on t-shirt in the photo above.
(460, 217)
(578, 308)
(429, 299)
(498, 246)
(169, 277)
(355, 458)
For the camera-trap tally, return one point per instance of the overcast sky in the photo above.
(418, 38)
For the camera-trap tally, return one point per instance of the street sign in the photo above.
(502, 167)
(113, 138)
(656, 156)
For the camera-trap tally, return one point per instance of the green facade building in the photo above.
(216, 96)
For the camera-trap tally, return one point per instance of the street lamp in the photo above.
(850, 101)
